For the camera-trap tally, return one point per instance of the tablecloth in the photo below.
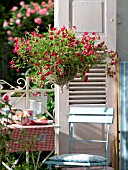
(31, 138)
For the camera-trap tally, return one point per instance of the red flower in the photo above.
(51, 37)
(92, 51)
(93, 33)
(82, 59)
(86, 78)
(85, 33)
(48, 59)
(59, 60)
(46, 53)
(63, 28)
(28, 48)
(12, 62)
(37, 64)
(42, 77)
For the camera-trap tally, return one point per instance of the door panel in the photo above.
(95, 16)
(90, 19)
(92, 16)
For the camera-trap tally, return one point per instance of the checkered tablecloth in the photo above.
(31, 138)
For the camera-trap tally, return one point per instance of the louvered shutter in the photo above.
(91, 93)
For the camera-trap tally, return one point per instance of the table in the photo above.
(32, 138)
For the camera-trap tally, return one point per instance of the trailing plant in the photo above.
(59, 56)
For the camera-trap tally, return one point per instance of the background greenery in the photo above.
(6, 54)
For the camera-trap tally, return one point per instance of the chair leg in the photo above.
(49, 167)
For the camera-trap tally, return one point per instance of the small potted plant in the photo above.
(59, 56)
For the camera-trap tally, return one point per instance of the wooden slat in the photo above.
(88, 96)
(92, 92)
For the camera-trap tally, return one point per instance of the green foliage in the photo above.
(6, 47)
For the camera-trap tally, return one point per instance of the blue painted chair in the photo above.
(87, 115)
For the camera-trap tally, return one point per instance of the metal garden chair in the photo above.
(87, 115)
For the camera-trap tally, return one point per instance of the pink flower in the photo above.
(5, 24)
(38, 21)
(9, 32)
(28, 14)
(28, 10)
(11, 39)
(50, 1)
(35, 4)
(5, 97)
(19, 25)
(14, 8)
(11, 20)
(17, 21)
(37, 8)
(27, 41)
(43, 3)
(43, 11)
(27, 7)
(22, 3)
(48, 7)
(36, 94)
(16, 47)
(32, 11)
(19, 15)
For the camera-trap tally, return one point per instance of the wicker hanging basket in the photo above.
(61, 80)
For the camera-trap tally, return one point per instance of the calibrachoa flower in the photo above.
(27, 15)
(50, 54)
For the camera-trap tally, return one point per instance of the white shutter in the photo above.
(91, 93)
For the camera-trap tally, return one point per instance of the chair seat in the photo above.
(74, 164)
(81, 158)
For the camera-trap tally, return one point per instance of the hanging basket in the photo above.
(61, 80)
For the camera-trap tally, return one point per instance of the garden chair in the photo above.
(87, 115)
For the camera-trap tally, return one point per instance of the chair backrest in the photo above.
(91, 115)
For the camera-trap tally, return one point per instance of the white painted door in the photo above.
(92, 16)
